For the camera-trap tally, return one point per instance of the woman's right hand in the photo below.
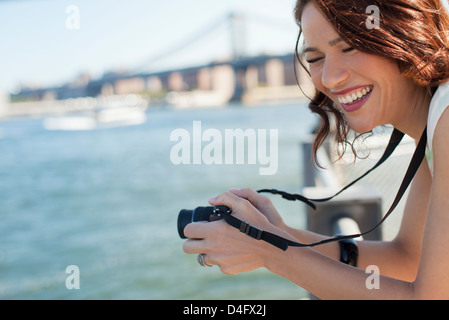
(263, 204)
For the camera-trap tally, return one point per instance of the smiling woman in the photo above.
(414, 53)
(396, 73)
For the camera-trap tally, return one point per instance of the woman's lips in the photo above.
(356, 99)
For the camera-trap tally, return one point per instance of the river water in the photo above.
(107, 201)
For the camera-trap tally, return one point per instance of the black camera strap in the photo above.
(395, 140)
(283, 243)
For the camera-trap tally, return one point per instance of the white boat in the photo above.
(70, 123)
(196, 99)
(101, 118)
(123, 116)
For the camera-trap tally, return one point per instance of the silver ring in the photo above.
(201, 261)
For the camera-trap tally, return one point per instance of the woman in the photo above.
(393, 73)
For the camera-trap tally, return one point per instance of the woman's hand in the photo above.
(233, 251)
(262, 203)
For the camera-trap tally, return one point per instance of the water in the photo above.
(107, 201)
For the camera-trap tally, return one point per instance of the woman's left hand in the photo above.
(233, 251)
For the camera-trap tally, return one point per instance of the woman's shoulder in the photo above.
(439, 148)
(439, 103)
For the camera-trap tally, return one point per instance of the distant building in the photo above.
(230, 78)
(4, 102)
(131, 85)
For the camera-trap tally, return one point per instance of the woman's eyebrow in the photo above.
(331, 43)
(335, 41)
(309, 49)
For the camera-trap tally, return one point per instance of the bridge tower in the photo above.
(237, 24)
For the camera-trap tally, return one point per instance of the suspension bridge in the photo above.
(230, 78)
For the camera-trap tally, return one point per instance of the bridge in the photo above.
(230, 79)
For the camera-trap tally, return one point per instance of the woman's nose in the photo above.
(334, 73)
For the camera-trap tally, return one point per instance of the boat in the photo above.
(97, 119)
(196, 99)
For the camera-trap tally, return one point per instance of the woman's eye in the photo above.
(319, 58)
(313, 60)
(348, 49)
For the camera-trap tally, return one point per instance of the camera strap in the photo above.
(283, 243)
(395, 140)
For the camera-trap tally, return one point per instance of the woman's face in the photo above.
(368, 89)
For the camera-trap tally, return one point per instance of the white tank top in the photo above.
(439, 103)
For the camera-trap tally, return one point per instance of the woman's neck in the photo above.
(414, 118)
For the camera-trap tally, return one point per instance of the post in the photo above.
(362, 205)
(4, 104)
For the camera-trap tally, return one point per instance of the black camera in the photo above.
(199, 214)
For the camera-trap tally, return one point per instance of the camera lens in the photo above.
(187, 216)
(184, 218)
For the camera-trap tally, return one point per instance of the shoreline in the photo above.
(43, 108)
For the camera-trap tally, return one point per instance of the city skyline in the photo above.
(51, 42)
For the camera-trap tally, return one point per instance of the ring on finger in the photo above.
(202, 261)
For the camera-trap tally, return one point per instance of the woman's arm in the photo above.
(423, 240)
(433, 274)
(321, 273)
(327, 278)
(234, 252)
(398, 258)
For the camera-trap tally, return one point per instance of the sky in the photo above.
(40, 46)
(43, 42)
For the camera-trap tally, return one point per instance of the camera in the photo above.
(199, 214)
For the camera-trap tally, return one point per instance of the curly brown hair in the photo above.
(413, 33)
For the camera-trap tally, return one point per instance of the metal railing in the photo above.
(357, 209)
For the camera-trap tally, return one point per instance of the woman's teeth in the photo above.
(355, 96)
